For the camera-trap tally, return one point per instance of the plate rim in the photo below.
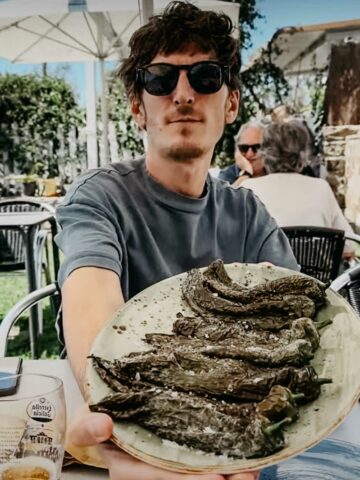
(252, 463)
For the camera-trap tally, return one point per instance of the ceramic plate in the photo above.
(154, 310)
(330, 460)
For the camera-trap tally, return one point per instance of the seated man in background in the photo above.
(248, 163)
(129, 225)
(292, 198)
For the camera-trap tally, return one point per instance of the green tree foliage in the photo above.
(263, 84)
(316, 86)
(128, 136)
(32, 109)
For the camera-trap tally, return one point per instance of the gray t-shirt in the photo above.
(120, 218)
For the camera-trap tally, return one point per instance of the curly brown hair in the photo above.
(285, 147)
(181, 24)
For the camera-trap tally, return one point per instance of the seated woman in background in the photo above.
(283, 113)
(291, 198)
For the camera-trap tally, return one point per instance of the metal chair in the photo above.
(50, 291)
(11, 242)
(12, 252)
(348, 284)
(318, 250)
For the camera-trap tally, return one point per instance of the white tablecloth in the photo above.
(348, 431)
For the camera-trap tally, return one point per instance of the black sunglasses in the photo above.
(161, 78)
(244, 147)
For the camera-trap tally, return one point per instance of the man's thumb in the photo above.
(90, 429)
(245, 476)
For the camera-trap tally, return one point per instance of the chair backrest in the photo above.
(50, 291)
(348, 284)
(12, 256)
(353, 295)
(318, 250)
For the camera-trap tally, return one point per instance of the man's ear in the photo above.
(138, 112)
(232, 106)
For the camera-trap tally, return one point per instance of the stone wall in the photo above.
(342, 166)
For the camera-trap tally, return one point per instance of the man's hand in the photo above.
(243, 163)
(89, 429)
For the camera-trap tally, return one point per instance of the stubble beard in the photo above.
(182, 153)
(184, 150)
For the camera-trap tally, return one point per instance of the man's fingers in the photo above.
(120, 462)
(244, 476)
(90, 429)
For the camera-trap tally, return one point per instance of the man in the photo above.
(127, 226)
(248, 163)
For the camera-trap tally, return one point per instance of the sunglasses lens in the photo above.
(160, 79)
(206, 77)
(244, 148)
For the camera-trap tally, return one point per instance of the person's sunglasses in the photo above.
(161, 78)
(243, 148)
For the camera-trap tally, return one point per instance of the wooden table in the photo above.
(348, 431)
(27, 224)
(80, 472)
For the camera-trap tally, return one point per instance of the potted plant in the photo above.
(30, 184)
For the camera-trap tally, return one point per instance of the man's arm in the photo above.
(90, 297)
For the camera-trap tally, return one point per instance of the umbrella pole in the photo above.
(147, 10)
(91, 124)
(104, 113)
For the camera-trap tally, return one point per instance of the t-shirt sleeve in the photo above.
(88, 236)
(276, 250)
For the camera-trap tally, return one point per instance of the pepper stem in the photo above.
(297, 396)
(271, 429)
(323, 323)
(323, 381)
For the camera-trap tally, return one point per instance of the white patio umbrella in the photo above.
(40, 31)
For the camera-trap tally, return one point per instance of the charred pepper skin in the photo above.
(280, 404)
(235, 430)
(230, 380)
(216, 330)
(217, 279)
(298, 352)
(202, 300)
(273, 323)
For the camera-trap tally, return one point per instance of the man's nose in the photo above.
(183, 93)
(250, 155)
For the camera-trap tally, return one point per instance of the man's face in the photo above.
(185, 125)
(247, 146)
